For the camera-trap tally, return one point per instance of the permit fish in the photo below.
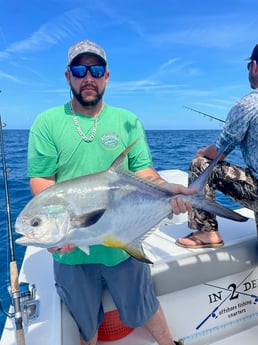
(114, 208)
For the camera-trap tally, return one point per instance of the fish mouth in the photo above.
(25, 237)
(28, 239)
(22, 240)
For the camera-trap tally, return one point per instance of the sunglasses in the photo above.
(249, 65)
(80, 71)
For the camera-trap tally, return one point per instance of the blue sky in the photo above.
(162, 55)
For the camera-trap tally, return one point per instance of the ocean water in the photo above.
(170, 150)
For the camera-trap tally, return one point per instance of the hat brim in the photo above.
(88, 53)
(248, 58)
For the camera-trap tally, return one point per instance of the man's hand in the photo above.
(178, 204)
(209, 152)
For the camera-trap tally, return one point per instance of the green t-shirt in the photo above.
(56, 148)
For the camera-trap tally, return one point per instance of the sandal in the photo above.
(198, 243)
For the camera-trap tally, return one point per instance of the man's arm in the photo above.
(37, 184)
(209, 152)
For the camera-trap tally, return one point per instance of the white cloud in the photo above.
(11, 78)
(51, 33)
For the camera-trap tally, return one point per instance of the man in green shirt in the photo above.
(82, 137)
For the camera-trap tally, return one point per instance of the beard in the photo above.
(84, 102)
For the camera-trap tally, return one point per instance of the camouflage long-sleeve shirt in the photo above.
(241, 129)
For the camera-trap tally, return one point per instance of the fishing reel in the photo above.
(29, 303)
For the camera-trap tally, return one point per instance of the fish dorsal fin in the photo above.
(117, 166)
(119, 160)
(86, 219)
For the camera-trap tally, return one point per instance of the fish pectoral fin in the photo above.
(87, 219)
(135, 249)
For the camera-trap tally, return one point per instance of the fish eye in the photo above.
(35, 222)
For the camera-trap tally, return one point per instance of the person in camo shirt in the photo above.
(238, 183)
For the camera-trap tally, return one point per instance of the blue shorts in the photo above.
(81, 287)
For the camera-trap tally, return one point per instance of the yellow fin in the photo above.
(111, 241)
(137, 253)
(134, 248)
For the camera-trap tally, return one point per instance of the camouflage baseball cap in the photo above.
(86, 47)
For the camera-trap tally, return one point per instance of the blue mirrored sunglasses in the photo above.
(80, 71)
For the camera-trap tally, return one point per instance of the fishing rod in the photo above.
(205, 114)
(14, 288)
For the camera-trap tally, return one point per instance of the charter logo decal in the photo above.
(239, 295)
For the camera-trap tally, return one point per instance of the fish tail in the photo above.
(200, 202)
(201, 180)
